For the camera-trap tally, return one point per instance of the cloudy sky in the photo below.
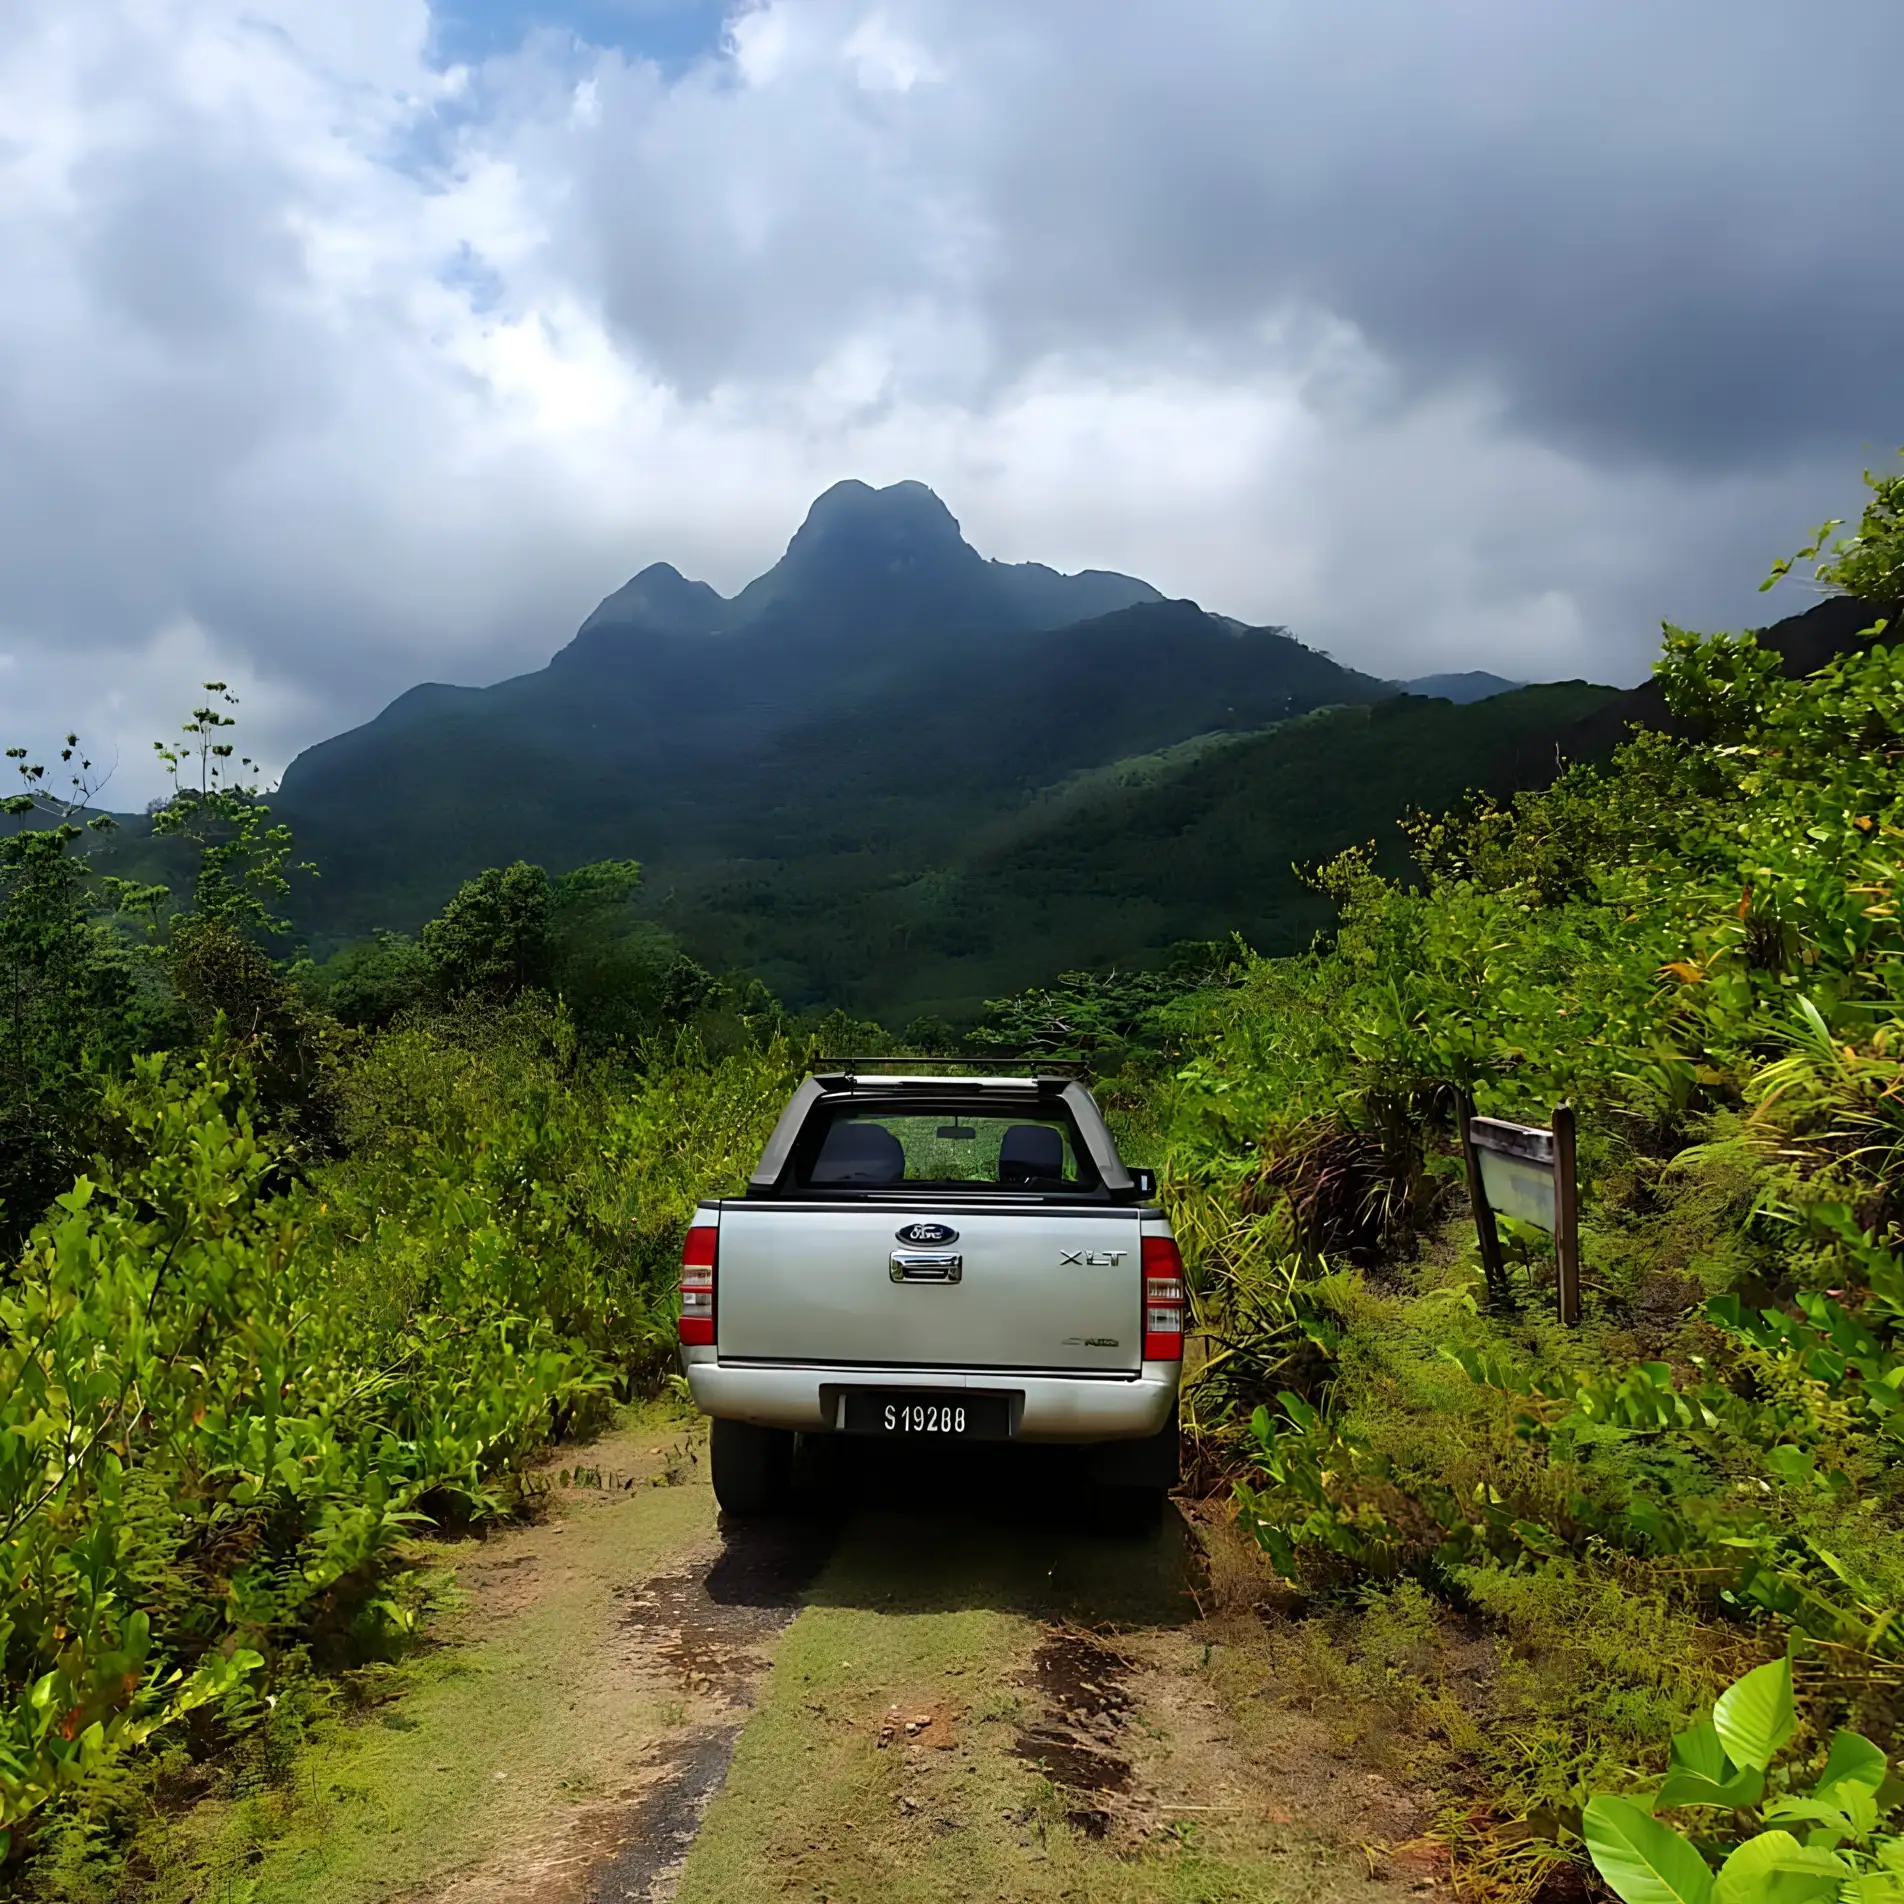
(346, 343)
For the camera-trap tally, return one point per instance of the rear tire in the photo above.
(752, 1467)
(1130, 1513)
(1151, 1462)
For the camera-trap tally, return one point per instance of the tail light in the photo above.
(1163, 1300)
(698, 1256)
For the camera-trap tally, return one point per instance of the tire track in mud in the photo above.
(704, 1630)
(1077, 1740)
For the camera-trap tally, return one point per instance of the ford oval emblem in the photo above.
(928, 1233)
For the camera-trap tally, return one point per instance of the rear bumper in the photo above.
(1051, 1408)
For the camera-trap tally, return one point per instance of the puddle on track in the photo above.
(1075, 1743)
(656, 1834)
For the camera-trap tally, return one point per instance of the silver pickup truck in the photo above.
(935, 1260)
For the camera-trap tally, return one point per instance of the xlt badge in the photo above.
(1091, 1259)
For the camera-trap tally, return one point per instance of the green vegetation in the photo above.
(230, 1389)
(404, 1768)
(72, 998)
(306, 1258)
(312, 1290)
(1726, 1764)
(513, 930)
(1110, 868)
(1700, 947)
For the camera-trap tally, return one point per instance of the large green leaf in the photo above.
(1853, 1760)
(1745, 1787)
(1850, 1812)
(1643, 1861)
(1754, 1716)
(1774, 1868)
(1698, 1750)
(1701, 1774)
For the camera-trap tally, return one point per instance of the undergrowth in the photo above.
(232, 1386)
(1524, 1555)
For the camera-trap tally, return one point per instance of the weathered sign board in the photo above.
(1520, 1171)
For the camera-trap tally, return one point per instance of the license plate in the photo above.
(927, 1414)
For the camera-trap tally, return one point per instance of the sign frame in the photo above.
(1522, 1155)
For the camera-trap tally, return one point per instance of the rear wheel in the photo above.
(752, 1466)
(1130, 1513)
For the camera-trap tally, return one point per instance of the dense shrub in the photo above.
(232, 1380)
(1701, 947)
(281, 1291)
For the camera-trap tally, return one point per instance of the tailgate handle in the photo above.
(926, 1266)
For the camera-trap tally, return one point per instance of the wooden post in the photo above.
(1566, 1219)
(1485, 1229)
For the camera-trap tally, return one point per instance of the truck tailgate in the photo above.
(1037, 1287)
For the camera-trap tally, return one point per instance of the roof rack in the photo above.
(851, 1067)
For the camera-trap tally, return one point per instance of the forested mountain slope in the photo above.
(883, 689)
(1109, 864)
(1113, 864)
(830, 784)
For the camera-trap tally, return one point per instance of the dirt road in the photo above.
(936, 1688)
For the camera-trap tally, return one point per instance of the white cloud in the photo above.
(885, 60)
(762, 41)
(324, 370)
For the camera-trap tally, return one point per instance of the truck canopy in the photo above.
(876, 1137)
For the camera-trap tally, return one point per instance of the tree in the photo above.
(68, 987)
(1101, 1017)
(622, 977)
(227, 982)
(1868, 565)
(216, 804)
(370, 983)
(492, 940)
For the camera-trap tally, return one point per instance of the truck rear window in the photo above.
(853, 1147)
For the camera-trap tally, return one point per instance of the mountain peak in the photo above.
(878, 560)
(904, 514)
(869, 563)
(663, 599)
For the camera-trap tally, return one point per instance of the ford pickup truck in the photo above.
(937, 1260)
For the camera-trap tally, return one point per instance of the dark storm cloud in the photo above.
(1452, 332)
(1661, 227)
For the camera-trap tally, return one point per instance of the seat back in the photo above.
(859, 1154)
(1031, 1152)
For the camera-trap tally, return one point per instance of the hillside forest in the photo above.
(895, 778)
(306, 1255)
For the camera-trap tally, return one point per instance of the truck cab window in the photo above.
(870, 1148)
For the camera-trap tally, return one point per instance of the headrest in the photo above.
(1029, 1152)
(859, 1154)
